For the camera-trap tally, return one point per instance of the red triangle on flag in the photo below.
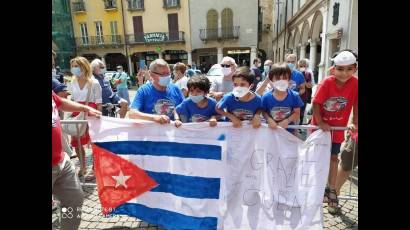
(118, 180)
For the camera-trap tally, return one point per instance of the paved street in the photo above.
(93, 219)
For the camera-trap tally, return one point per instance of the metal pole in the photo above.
(125, 43)
(286, 22)
(277, 30)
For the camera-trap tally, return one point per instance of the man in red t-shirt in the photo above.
(65, 184)
(335, 97)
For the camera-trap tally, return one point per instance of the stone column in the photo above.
(130, 69)
(220, 54)
(323, 57)
(253, 55)
(312, 56)
(303, 51)
(189, 57)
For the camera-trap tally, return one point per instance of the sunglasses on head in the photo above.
(226, 65)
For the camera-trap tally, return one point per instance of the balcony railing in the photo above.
(110, 4)
(224, 33)
(79, 6)
(94, 41)
(156, 37)
(171, 4)
(136, 5)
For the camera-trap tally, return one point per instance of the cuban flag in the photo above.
(160, 174)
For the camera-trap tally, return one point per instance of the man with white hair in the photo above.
(108, 96)
(224, 84)
(156, 100)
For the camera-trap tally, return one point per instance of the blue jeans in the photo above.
(123, 93)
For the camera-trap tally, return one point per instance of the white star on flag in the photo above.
(121, 179)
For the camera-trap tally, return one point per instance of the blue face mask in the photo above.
(291, 66)
(266, 68)
(196, 98)
(76, 71)
(103, 71)
(164, 81)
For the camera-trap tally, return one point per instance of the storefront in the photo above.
(174, 56)
(242, 56)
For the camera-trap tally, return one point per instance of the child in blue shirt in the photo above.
(241, 104)
(197, 107)
(282, 105)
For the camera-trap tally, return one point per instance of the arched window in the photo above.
(212, 24)
(227, 23)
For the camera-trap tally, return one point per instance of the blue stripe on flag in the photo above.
(167, 219)
(186, 186)
(161, 148)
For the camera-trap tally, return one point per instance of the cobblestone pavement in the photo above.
(93, 219)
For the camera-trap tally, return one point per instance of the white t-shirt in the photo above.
(220, 85)
(80, 95)
(182, 83)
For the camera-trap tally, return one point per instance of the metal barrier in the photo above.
(307, 127)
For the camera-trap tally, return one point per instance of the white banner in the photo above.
(271, 179)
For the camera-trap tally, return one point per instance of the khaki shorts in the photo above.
(349, 154)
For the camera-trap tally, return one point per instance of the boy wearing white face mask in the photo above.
(282, 105)
(241, 104)
(197, 107)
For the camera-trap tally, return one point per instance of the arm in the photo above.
(236, 122)
(292, 118)
(98, 95)
(316, 113)
(212, 121)
(354, 126)
(177, 119)
(302, 88)
(71, 106)
(261, 89)
(136, 114)
(272, 124)
(256, 120)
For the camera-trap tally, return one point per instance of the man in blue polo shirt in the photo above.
(156, 100)
(297, 80)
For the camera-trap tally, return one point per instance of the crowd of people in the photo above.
(276, 95)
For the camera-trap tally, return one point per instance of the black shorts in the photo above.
(335, 149)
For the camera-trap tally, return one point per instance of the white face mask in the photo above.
(226, 71)
(281, 85)
(240, 91)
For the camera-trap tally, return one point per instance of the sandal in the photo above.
(333, 204)
(326, 195)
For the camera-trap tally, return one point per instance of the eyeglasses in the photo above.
(226, 65)
(161, 75)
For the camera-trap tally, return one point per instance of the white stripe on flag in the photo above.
(187, 206)
(176, 165)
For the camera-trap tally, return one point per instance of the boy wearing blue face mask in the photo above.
(156, 100)
(197, 107)
(282, 105)
(241, 104)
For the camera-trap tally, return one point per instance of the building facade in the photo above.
(265, 29)
(62, 33)
(157, 29)
(99, 31)
(223, 28)
(314, 29)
